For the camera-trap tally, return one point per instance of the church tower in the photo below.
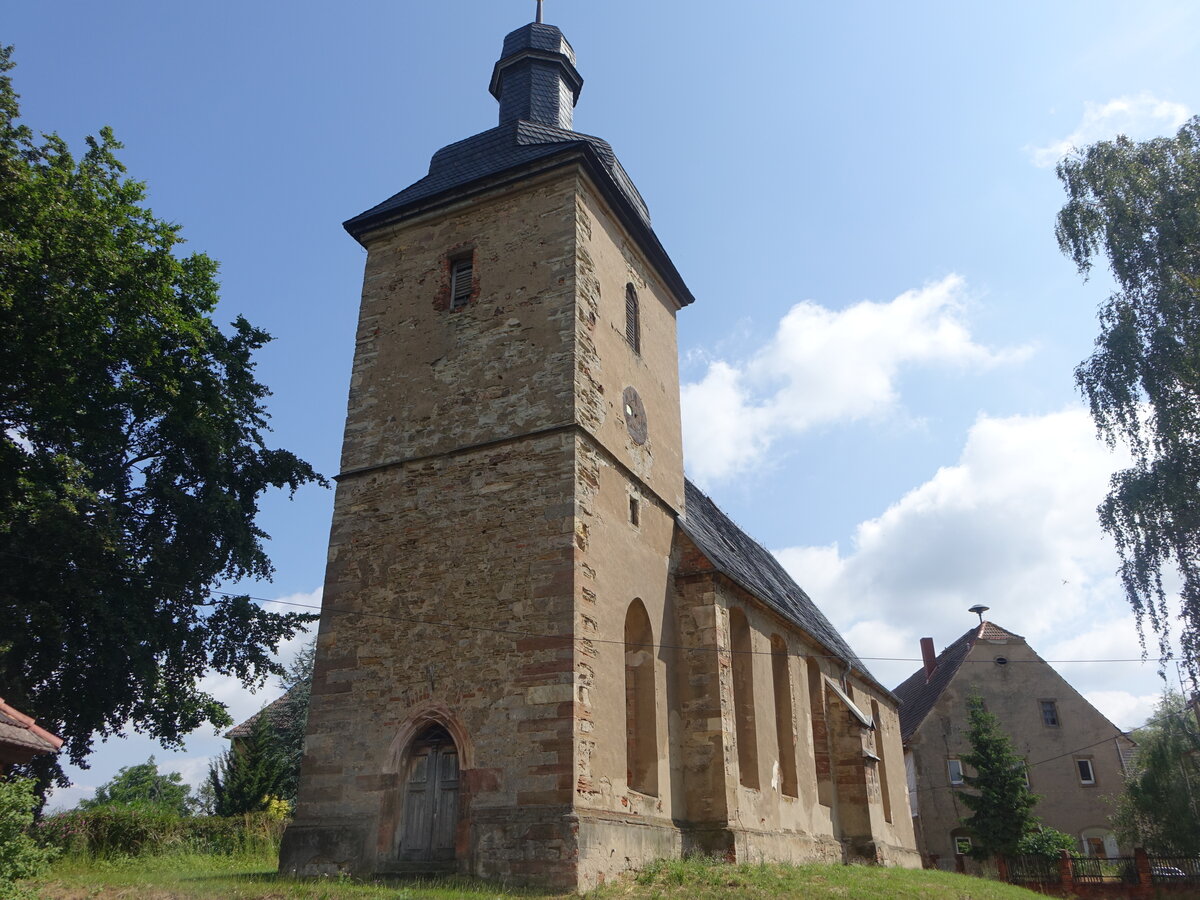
(544, 656)
(511, 472)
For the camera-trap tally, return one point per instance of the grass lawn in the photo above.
(184, 877)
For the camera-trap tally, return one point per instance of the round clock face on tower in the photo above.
(635, 415)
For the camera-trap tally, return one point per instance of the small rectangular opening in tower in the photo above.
(634, 511)
(461, 272)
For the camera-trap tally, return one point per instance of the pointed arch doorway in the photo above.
(429, 821)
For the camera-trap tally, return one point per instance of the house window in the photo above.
(461, 273)
(955, 770)
(1049, 713)
(1087, 775)
(633, 319)
(635, 512)
(962, 845)
(1024, 772)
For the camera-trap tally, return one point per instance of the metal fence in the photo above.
(1094, 870)
(1032, 870)
(1175, 869)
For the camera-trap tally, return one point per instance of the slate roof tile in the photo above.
(746, 562)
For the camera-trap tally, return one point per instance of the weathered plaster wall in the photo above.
(606, 261)
(1013, 692)
(428, 380)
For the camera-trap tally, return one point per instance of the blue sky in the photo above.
(860, 195)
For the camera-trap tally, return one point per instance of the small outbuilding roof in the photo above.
(278, 712)
(21, 739)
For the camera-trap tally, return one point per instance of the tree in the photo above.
(1139, 204)
(131, 457)
(143, 785)
(1003, 807)
(1158, 807)
(292, 721)
(20, 855)
(247, 776)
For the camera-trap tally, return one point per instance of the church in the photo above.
(544, 656)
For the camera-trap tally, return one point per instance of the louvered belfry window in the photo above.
(633, 319)
(461, 272)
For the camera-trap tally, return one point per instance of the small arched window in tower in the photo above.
(641, 708)
(743, 697)
(633, 319)
(462, 271)
(785, 732)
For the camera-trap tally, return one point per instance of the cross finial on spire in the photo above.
(539, 12)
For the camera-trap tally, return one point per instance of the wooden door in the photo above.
(430, 820)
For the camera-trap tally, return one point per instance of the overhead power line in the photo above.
(567, 638)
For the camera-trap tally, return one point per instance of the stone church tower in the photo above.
(543, 655)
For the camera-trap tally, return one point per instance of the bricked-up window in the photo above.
(461, 272)
(641, 716)
(785, 728)
(633, 319)
(884, 788)
(822, 761)
(743, 697)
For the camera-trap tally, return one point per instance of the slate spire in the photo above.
(535, 79)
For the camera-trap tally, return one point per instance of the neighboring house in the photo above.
(1075, 757)
(544, 656)
(21, 739)
(277, 711)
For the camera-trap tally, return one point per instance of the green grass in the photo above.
(241, 877)
(252, 877)
(700, 879)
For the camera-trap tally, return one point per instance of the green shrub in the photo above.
(1047, 842)
(20, 856)
(113, 831)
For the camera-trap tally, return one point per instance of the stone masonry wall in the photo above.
(449, 593)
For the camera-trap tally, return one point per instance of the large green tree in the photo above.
(1158, 806)
(1138, 205)
(144, 785)
(1002, 808)
(132, 456)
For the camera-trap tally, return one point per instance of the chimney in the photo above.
(929, 656)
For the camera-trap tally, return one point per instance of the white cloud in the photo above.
(1012, 526)
(824, 366)
(193, 769)
(1125, 710)
(1139, 117)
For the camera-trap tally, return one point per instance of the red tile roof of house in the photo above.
(919, 693)
(21, 738)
